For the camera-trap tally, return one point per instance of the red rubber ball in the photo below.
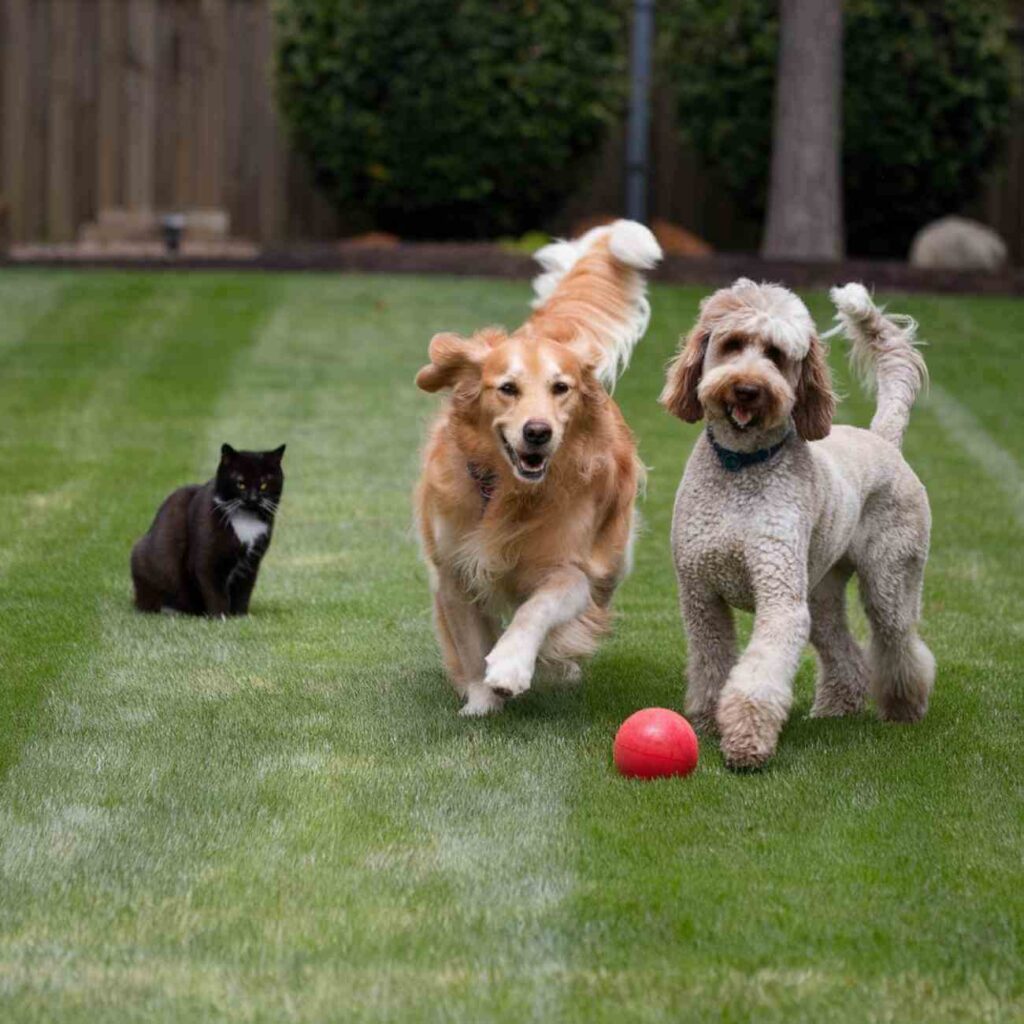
(654, 743)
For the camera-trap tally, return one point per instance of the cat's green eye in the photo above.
(241, 485)
(263, 485)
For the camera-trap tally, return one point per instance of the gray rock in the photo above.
(956, 243)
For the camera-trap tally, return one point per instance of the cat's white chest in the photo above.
(248, 528)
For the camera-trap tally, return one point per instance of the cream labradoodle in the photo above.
(777, 509)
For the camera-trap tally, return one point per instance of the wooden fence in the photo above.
(168, 104)
(156, 104)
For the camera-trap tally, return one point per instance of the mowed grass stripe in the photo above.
(103, 353)
(963, 430)
(870, 873)
(63, 399)
(25, 298)
(292, 796)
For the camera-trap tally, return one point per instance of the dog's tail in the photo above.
(884, 355)
(593, 287)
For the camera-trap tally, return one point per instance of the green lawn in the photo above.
(282, 818)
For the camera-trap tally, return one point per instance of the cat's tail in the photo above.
(594, 287)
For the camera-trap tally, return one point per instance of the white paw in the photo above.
(509, 671)
(480, 701)
(570, 673)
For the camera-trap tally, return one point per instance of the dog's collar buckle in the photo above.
(732, 461)
(486, 481)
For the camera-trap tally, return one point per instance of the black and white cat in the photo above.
(203, 551)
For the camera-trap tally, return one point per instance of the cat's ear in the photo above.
(227, 452)
(275, 455)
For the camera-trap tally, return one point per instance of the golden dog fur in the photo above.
(536, 533)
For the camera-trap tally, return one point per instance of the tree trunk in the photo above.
(805, 200)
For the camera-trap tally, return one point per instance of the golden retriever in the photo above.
(530, 474)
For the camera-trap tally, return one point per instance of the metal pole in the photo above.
(639, 109)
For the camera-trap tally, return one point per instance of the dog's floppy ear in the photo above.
(450, 356)
(679, 395)
(586, 349)
(815, 401)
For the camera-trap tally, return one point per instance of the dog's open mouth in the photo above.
(531, 466)
(741, 417)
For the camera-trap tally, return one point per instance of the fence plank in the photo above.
(33, 201)
(109, 119)
(231, 130)
(140, 94)
(272, 153)
(60, 164)
(85, 113)
(211, 113)
(14, 124)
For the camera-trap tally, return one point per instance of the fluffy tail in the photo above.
(592, 288)
(884, 356)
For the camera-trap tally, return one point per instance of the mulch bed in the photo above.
(487, 260)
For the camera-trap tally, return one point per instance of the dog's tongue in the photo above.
(742, 416)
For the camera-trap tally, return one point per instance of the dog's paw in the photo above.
(703, 720)
(480, 701)
(509, 671)
(570, 673)
(902, 708)
(902, 682)
(842, 690)
(837, 705)
(560, 673)
(749, 732)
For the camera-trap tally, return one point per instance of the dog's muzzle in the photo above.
(530, 459)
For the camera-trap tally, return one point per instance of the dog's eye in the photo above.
(731, 345)
(774, 354)
(559, 387)
(508, 388)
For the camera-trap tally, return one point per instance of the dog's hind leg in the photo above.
(567, 644)
(902, 667)
(843, 673)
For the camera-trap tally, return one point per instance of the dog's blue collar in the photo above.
(733, 462)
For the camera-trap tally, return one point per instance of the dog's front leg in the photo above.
(564, 595)
(711, 651)
(465, 633)
(759, 692)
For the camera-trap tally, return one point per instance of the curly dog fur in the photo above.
(777, 510)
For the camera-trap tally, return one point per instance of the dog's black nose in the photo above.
(746, 392)
(537, 432)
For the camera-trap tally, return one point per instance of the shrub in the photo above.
(927, 98)
(450, 118)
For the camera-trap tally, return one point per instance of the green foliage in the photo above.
(450, 118)
(927, 98)
(526, 244)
